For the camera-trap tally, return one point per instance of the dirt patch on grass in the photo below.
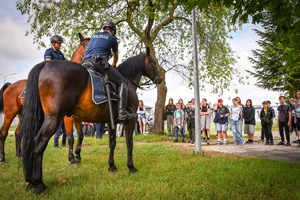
(277, 152)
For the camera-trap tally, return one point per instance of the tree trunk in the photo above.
(158, 126)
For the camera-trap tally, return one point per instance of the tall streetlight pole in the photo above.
(4, 76)
(196, 87)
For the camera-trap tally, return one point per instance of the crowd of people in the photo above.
(179, 115)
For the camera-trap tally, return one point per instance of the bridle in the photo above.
(149, 82)
(83, 43)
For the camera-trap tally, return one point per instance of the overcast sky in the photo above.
(18, 55)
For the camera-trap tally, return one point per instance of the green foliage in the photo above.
(285, 41)
(163, 26)
(275, 61)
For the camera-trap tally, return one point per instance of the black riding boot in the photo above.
(123, 94)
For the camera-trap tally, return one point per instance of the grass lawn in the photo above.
(212, 127)
(164, 173)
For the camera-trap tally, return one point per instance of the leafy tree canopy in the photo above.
(274, 67)
(163, 26)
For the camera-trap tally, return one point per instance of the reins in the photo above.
(147, 83)
(143, 84)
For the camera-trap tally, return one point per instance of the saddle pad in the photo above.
(22, 95)
(98, 90)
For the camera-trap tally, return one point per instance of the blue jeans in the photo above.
(61, 130)
(178, 130)
(236, 127)
(99, 130)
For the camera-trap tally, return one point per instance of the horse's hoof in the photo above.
(30, 186)
(112, 169)
(75, 164)
(74, 161)
(78, 158)
(20, 157)
(40, 189)
(132, 170)
(2, 159)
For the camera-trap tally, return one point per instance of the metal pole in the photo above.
(6, 76)
(196, 87)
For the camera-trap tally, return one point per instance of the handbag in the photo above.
(215, 119)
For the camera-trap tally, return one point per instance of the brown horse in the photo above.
(11, 105)
(59, 88)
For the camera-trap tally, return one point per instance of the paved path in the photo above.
(290, 153)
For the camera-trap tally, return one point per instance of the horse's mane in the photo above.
(129, 67)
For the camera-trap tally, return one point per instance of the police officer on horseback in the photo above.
(54, 52)
(100, 47)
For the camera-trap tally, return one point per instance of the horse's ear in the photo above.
(148, 51)
(81, 37)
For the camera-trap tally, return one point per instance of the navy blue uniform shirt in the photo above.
(54, 55)
(101, 44)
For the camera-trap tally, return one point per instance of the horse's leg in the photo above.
(69, 131)
(78, 126)
(40, 143)
(8, 118)
(112, 146)
(18, 139)
(129, 128)
(3, 136)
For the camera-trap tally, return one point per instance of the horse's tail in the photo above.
(32, 119)
(1, 96)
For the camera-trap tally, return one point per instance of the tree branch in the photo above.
(165, 23)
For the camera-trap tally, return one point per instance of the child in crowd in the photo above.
(170, 108)
(183, 108)
(222, 114)
(266, 118)
(284, 121)
(142, 117)
(178, 122)
(249, 119)
(236, 122)
(297, 119)
(190, 110)
(273, 112)
(293, 126)
(205, 120)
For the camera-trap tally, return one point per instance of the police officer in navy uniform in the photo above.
(104, 44)
(54, 53)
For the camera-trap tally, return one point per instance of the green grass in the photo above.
(164, 173)
(212, 127)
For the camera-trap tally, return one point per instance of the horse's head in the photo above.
(151, 70)
(79, 52)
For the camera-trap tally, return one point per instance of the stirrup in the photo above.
(125, 116)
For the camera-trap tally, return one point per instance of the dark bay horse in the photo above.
(59, 88)
(11, 106)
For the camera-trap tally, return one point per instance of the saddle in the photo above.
(92, 65)
(94, 62)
